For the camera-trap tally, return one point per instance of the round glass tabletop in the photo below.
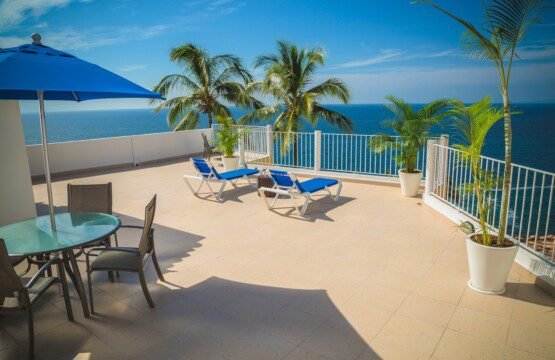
(35, 236)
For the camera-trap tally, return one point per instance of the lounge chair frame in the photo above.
(213, 178)
(293, 192)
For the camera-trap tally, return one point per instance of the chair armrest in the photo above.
(41, 271)
(132, 226)
(132, 251)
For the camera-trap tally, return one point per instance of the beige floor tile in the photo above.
(532, 339)
(300, 353)
(515, 354)
(383, 349)
(480, 324)
(337, 339)
(499, 305)
(380, 296)
(418, 336)
(427, 309)
(450, 292)
(455, 345)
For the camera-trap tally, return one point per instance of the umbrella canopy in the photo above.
(38, 72)
(25, 69)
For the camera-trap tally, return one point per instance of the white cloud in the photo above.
(71, 39)
(389, 55)
(14, 12)
(129, 68)
(537, 52)
(385, 55)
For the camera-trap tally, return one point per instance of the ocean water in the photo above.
(533, 128)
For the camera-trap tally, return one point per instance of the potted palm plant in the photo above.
(413, 127)
(227, 140)
(489, 259)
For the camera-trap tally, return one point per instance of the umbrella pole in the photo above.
(40, 96)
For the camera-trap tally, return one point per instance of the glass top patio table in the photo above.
(35, 236)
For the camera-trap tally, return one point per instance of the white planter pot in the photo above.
(410, 182)
(489, 266)
(230, 163)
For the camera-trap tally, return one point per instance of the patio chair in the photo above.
(207, 174)
(91, 198)
(130, 259)
(288, 185)
(18, 293)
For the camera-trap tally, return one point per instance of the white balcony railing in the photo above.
(348, 153)
(530, 214)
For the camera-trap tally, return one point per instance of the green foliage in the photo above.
(471, 125)
(206, 82)
(289, 79)
(413, 128)
(496, 39)
(228, 136)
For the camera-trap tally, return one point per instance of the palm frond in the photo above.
(333, 117)
(332, 88)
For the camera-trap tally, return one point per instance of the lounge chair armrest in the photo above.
(275, 191)
(42, 269)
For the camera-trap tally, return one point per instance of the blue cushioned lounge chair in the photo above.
(287, 184)
(207, 174)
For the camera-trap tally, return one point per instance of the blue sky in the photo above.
(377, 47)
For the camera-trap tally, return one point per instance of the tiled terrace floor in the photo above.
(375, 275)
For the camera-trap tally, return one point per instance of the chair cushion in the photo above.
(317, 184)
(38, 287)
(116, 260)
(236, 174)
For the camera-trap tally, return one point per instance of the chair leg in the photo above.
(31, 332)
(156, 266)
(89, 281)
(117, 245)
(143, 285)
(305, 205)
(63, 281)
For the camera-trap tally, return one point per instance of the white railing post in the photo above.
(241, 146)
(212, 134)
(317, 150)
(270, 144)
(431, 151)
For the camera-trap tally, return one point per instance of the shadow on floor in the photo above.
(317, 209)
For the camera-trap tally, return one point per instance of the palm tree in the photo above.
(412, 126)
(289, 80)
(205, 82)
(506, 23)
(472, 124)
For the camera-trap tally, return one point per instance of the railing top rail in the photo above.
(500, 161)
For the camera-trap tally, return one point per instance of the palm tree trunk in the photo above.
(209, 120)
(508, 169)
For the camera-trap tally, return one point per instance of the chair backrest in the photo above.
(93, 198)
(205, 168)
(145, 245)
(9, 282)
(286, 180)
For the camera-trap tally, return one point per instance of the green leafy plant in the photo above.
(207, 82)
(505, 25)
(289, 79)
(412, 126)
(228, 136)
(471, 125)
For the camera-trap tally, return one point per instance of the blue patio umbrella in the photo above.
(38, 72)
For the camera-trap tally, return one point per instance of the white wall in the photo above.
(89, 154)
(16, 191)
